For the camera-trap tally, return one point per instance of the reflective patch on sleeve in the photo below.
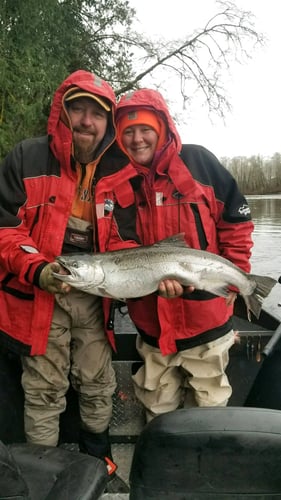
(29, 249)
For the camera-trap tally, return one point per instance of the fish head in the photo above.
(82, 271)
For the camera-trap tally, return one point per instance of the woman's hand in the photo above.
(171, 289)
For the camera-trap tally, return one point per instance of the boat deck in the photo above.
(128, 418)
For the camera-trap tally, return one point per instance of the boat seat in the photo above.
(209, 453)
(35, 472)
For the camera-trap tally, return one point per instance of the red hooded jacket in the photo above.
(37, 186)
(186, 190)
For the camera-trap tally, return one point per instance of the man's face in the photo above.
(89, 122)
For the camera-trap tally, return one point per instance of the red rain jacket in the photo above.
(37, 186)
(187, 190)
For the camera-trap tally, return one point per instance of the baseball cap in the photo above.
(76, 92)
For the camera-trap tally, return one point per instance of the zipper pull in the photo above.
(258, 354)
(110, 321)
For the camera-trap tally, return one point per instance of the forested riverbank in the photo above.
(256, 174)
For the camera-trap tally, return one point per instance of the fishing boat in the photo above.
(191, 453)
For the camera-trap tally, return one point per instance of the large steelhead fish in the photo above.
(136, 272)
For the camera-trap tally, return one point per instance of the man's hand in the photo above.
(171, 289)
(49, 283)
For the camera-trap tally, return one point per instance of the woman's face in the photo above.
(140, 142)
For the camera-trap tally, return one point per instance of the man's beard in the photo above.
(84, 154)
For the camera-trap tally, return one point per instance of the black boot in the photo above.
(95, 443)
(98, 445)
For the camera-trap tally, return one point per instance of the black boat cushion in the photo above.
(58, 474)
(12, 484)
(209, 453)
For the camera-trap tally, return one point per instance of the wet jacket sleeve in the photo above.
(234, 227)
(18, 251)
(229, 207)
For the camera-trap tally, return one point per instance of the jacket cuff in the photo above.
(34, 271)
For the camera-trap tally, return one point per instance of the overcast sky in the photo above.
(253, 127)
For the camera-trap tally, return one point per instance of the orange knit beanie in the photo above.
(142, 117)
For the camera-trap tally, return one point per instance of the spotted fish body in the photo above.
(136, 272)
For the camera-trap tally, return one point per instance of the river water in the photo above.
(266, 252)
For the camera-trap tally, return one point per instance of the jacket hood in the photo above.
(59, 132)
(152, 100)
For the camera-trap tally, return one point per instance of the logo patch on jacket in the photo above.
(244, 210)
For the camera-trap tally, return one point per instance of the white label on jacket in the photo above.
(159, 199)
(100, 210)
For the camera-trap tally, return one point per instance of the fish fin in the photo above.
(103, 293)
(176, 240)
(264, 285)
(221, 291)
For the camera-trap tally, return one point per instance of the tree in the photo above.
(255, 174)
(42, 41)
(202, 59)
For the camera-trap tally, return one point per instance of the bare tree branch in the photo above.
(203, 57)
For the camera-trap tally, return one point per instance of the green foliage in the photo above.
(41, 42)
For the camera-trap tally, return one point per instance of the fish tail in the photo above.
(264, 285)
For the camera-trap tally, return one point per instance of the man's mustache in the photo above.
(83, 131)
